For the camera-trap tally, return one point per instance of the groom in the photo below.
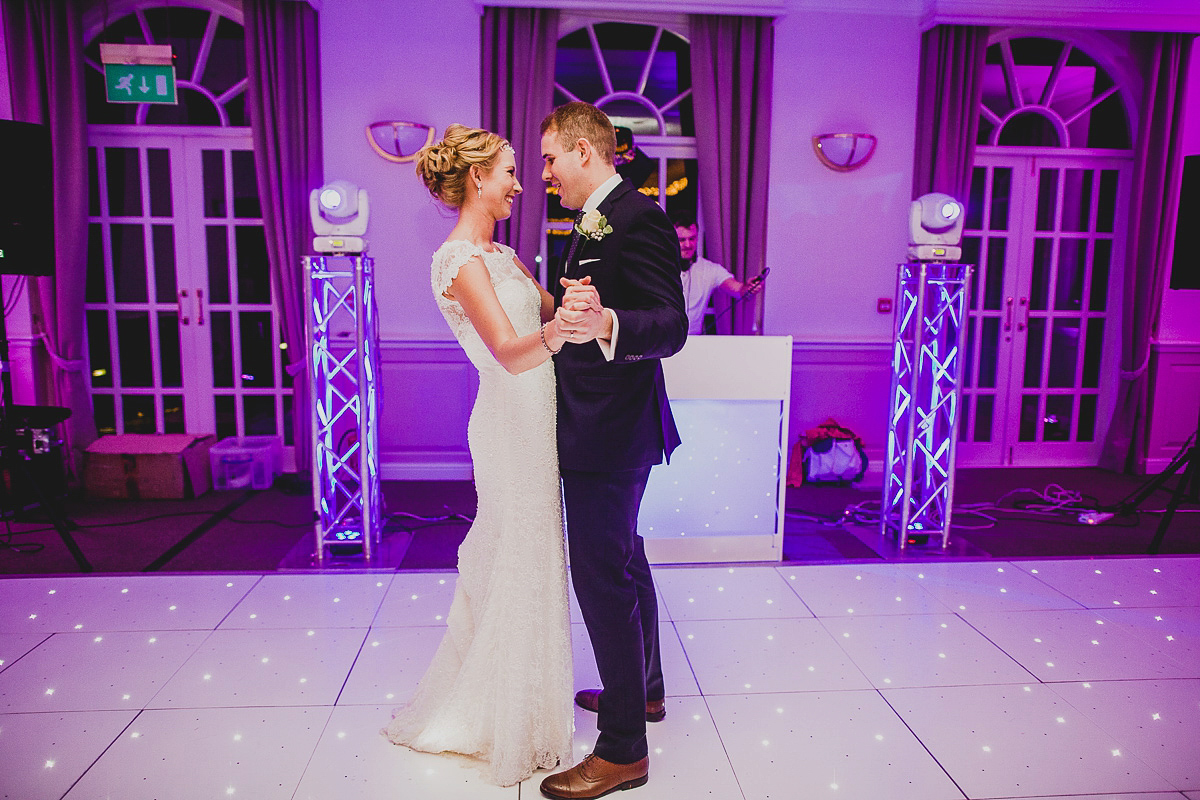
(614, 424)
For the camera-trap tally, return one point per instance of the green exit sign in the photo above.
(140, 83)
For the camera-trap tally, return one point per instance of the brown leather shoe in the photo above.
(595, 777)
(589, 699)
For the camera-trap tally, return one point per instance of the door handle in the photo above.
(183, 317)
(1024, 303)
(199, 306)
(1008, 311)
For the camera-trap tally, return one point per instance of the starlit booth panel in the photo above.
(721, 497)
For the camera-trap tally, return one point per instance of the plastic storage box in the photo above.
(247, 462)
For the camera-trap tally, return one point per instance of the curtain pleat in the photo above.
(949, 91)
(46, 72)
(517, 91)
(1154, 206)
(284, 96)
(731, 62)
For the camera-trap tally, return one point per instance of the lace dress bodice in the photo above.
(500, 685)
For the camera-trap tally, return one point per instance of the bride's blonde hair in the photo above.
(445, 166)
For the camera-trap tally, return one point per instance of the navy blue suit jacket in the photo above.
(614, 415)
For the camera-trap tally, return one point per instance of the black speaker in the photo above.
(26, 200)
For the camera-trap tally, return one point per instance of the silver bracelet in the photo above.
(542, 333)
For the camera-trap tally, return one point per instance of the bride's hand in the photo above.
(580, 295)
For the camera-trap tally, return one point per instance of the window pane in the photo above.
(1034, 347)
(1039, 281)
(158, 166)
(1064, 353)
(969, 361)
(93, 183)
(260, 415)
(1087, 419)
(1029, 418)
(123, 177)
(99, 352)
(1072, 269)
(1047, 203)
(997, 252)
(1101, 262)
(1107, 201)
(164, 262)
(258, 357)
(170, 360)
(213, 169)
(1001, 198)
(289, 433)
(1077, 200)
(133, 337)
(173, 414)
(225, 408)
(97, 291)
(216, 239)
(129, 263)
(253, 273)
(974, 220)
(222, 348)
(988, 352)
(245, 186)
(137, 411)
(985, 407)
(1093, 353)
(970, 255)
(104, 411)
(1057, 424)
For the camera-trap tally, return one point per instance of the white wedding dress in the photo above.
(500, 685)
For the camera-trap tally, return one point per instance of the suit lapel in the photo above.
(575, 250)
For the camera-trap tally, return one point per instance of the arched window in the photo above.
(640, 75)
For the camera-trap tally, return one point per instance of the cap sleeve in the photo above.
(447, 261)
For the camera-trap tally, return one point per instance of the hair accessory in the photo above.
(508, 148)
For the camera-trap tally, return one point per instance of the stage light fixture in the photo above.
(935, 228)
(339, 212)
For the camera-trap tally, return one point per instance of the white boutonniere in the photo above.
(594, 225)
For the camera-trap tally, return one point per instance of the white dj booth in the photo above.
(722, 496)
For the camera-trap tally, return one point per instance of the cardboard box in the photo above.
(143, 466)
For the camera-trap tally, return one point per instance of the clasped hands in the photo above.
(581, 318)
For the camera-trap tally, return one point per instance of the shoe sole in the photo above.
(655, 716)
(620, 787)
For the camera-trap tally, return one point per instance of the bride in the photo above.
(500, 685)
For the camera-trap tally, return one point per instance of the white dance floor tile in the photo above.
(354, 760)
(974, 586)
(289, 667)
(44, 754)
(106, 603)
(112, 671)
(1019, 741)
(837, 590)
(885, 680)
(321, 601)
(1157, 721)
(1115, 582)
(687, 757)
(843, 745)
(923, 650)
(231, 752)
(727, 593)
(390, 665)
(417, 598)
(1078, 645)
(767, 655)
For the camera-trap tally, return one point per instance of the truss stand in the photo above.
(343, 361)
(918, 482)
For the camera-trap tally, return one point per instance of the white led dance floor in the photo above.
(878, 681)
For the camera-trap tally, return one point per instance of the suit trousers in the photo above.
(620, 608)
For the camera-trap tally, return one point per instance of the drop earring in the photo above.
(479, 190)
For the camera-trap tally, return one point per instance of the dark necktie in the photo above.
(575, 237)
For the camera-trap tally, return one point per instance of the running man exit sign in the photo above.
(138, 73)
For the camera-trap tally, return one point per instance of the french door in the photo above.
(1047, 234)
(181, 323)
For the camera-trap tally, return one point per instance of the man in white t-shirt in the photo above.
(702, 277)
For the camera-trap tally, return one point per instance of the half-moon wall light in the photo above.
(844, 152)
(399, 141)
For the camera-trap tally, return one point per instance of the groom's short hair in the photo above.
(575, 121)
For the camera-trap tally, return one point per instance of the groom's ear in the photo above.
(586, 151)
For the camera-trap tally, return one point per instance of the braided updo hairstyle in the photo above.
(445, 166)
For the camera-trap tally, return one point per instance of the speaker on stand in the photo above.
(30, 452)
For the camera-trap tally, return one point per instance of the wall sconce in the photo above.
(399, 141)
(843, 152)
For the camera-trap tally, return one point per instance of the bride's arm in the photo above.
(547, 298)
(473, 290)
